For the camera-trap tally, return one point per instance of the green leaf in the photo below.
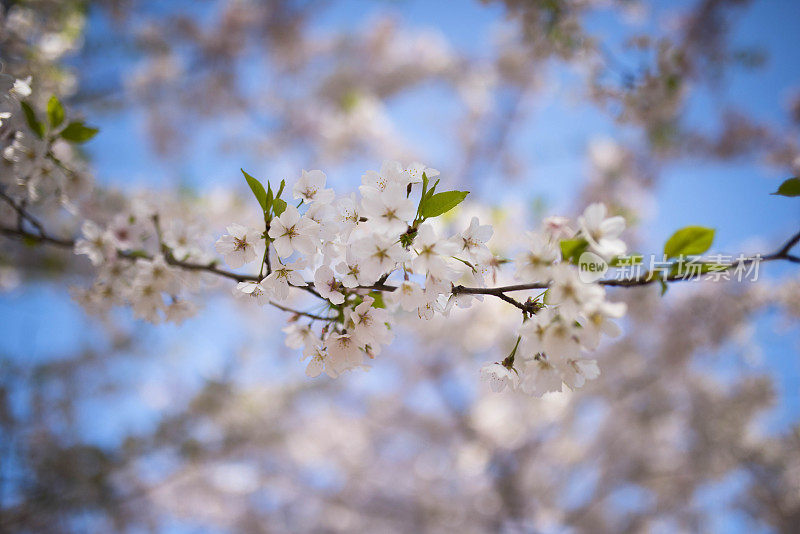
(440, 203)
(378, 296)
(789, 188)
(280, 189)
(257, 189)
(270, 198)
(571, 249)
(278, 206)
(78, 132)
(664, 286)
(689, 241)
(432, 190)
(33, 123)
(55, 112)
(137, 254)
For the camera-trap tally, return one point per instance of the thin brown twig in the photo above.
(783, 253)
(22, 213)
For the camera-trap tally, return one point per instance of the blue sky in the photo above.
(732, 197)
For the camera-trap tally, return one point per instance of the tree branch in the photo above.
(783, 253)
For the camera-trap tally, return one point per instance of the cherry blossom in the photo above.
(327, 285)
(391, 173)
(472, 241)
(311, 188)
(318, 362)
(536, 261)
(252, 290)
(416, 170)
(94, 243)
(299, 335)
(370, 324)
(597, 321)
(343, 353)
(292, 232)
(601, 232)
(379, 254)
(569, 292)
(433, 254)
(239, 246)
(408, 295)
(499, 377)
(277, 283)
(390, 207)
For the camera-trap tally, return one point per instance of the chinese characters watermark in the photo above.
(715, 268)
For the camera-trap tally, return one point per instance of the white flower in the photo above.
(414, 172)
(182, 238)
(391, 173)
(575, 373)
(146, 301)
(351, 271)
(4, 115)
(343, 352)
(325, 217)
(379, 255)
(291, 232)
(298, 336)
(124, 234)
(282, 276)
(391, 209)
(27, 155)
(434, 289)
(331, 252)
(22, 87)
(116, 270)
(427, 310)
(570, 293)
(535, 264)
(157, 273)
(348, 214)
(499, 377)
(432, 254)
(319, 361)
(557, 228)
(472, 242)
(95, 243)
(327, 285)
(602, 233)
(532, 332)
(311, 188)
(252, 290)
(595, 321)
(539, 376)
(561, 341)
(179, 310)
(370, 325)
(408, 295)
(239, 246)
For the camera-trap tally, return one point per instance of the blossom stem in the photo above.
(529, 307)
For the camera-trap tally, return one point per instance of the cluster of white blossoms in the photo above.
(377, 252)
(368, 257)
(132, 269)
(574, 314)
(38, 162)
